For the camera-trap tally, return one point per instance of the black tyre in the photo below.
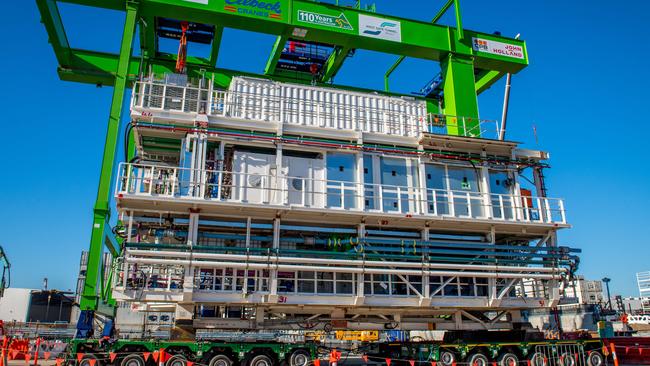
(176, 360)
(537, 359)
(132, 360)
(595, 358)
(508, 359)
(86, 360)
(478, 359)
(220, 360)
(260, 360)
(567, 359)
(447, 358)
(299, 357)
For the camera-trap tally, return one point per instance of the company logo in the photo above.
(480, 44)
(374, 27)
(498, 48)
(324, 20)
(382, 28)
(257, 8)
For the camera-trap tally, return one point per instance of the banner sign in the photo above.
(324, 20)
(271, 9)
(497, 48)
(375, 27)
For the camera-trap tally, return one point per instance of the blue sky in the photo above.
(584, 91)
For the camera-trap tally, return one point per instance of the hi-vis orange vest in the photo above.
(335, 355)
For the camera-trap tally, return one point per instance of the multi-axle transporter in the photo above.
(284, 202)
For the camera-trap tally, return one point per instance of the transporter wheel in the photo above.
(537, 359)
(595, 359)
(447, 358)
(301, 357)
(176, 360)
(478, 359)
(132, 360)
(86, 361)
(567, 359)
(509, 359)
(220, 360)
(260, 360)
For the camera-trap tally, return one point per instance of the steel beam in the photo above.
(272, 62)
(458, 76)
(216, 45)
(418, 39)
(51, 19)
(485, 80)
(101, 212)
(334, 63)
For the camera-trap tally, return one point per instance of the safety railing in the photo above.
(281, 190)
(159, 95)
(355, 113)
(442, 124)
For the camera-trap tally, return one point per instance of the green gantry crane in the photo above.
(5, 280)
(470, 63)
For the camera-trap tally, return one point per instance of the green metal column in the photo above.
(101, 212)
(460, 96)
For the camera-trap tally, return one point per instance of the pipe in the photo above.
(357, 270)
(506, 100)
(268, 259)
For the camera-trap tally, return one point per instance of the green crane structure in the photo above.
(5, 280)
(470, 63)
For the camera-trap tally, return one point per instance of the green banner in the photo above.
(324, 20)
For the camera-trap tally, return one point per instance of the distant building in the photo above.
(14, 304)
(27, 305)
(50, 306)
(582, 291)
(643, 281)
(633, 305)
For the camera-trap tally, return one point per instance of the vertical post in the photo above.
(101, 211)
(421, 185)
(426, 288)
(276, 247)
(486, 199)
(458, 75)
(360, 277)
(359, 190)
(613, 348)
(38, 347)
(5, 347)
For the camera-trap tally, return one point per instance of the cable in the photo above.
(127, 133)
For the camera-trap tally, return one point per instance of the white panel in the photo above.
(305, 181)
(332, 108)
(251, 176)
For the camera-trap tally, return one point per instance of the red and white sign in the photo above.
(498, 48)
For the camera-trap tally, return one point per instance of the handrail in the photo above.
(268, 189)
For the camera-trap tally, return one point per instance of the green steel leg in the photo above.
(459, 96)
(101, 212)
(275, 54)
(216, 45)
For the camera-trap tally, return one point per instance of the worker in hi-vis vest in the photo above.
(335, 356)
